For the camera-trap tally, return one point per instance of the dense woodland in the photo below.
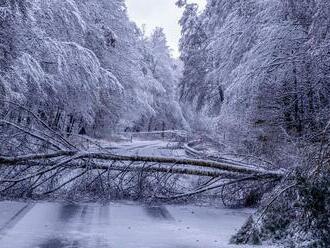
(253, 79)
(83, 64)
(258, 70)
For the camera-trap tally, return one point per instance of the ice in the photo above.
(10, 212)
(122, 225)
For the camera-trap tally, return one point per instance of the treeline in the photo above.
(258, 71)
(84, 67)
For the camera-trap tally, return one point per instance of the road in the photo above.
(149, 148)
(118, 224)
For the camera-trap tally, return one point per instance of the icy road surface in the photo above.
(116, 225)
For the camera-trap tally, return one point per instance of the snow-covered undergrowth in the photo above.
(297, 215)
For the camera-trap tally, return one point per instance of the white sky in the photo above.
(159, 13)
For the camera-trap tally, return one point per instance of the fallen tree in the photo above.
(107, 162)
(38, 159)
(208, 164)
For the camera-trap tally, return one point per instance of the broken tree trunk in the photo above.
(107, 157)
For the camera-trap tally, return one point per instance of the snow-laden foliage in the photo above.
(126, 58)
(160, 66)
(81, 65)
(259, 69)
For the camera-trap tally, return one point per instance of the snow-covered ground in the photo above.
(119, 225)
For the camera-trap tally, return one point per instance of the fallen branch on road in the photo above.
(49, 161)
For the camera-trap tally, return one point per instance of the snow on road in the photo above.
(148, 148)
(122, 225)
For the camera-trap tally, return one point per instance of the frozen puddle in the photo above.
(118, 225)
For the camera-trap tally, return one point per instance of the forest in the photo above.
(93, 109)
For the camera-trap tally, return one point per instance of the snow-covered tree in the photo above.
(166, 71)
(254, 69)
(79, 64)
